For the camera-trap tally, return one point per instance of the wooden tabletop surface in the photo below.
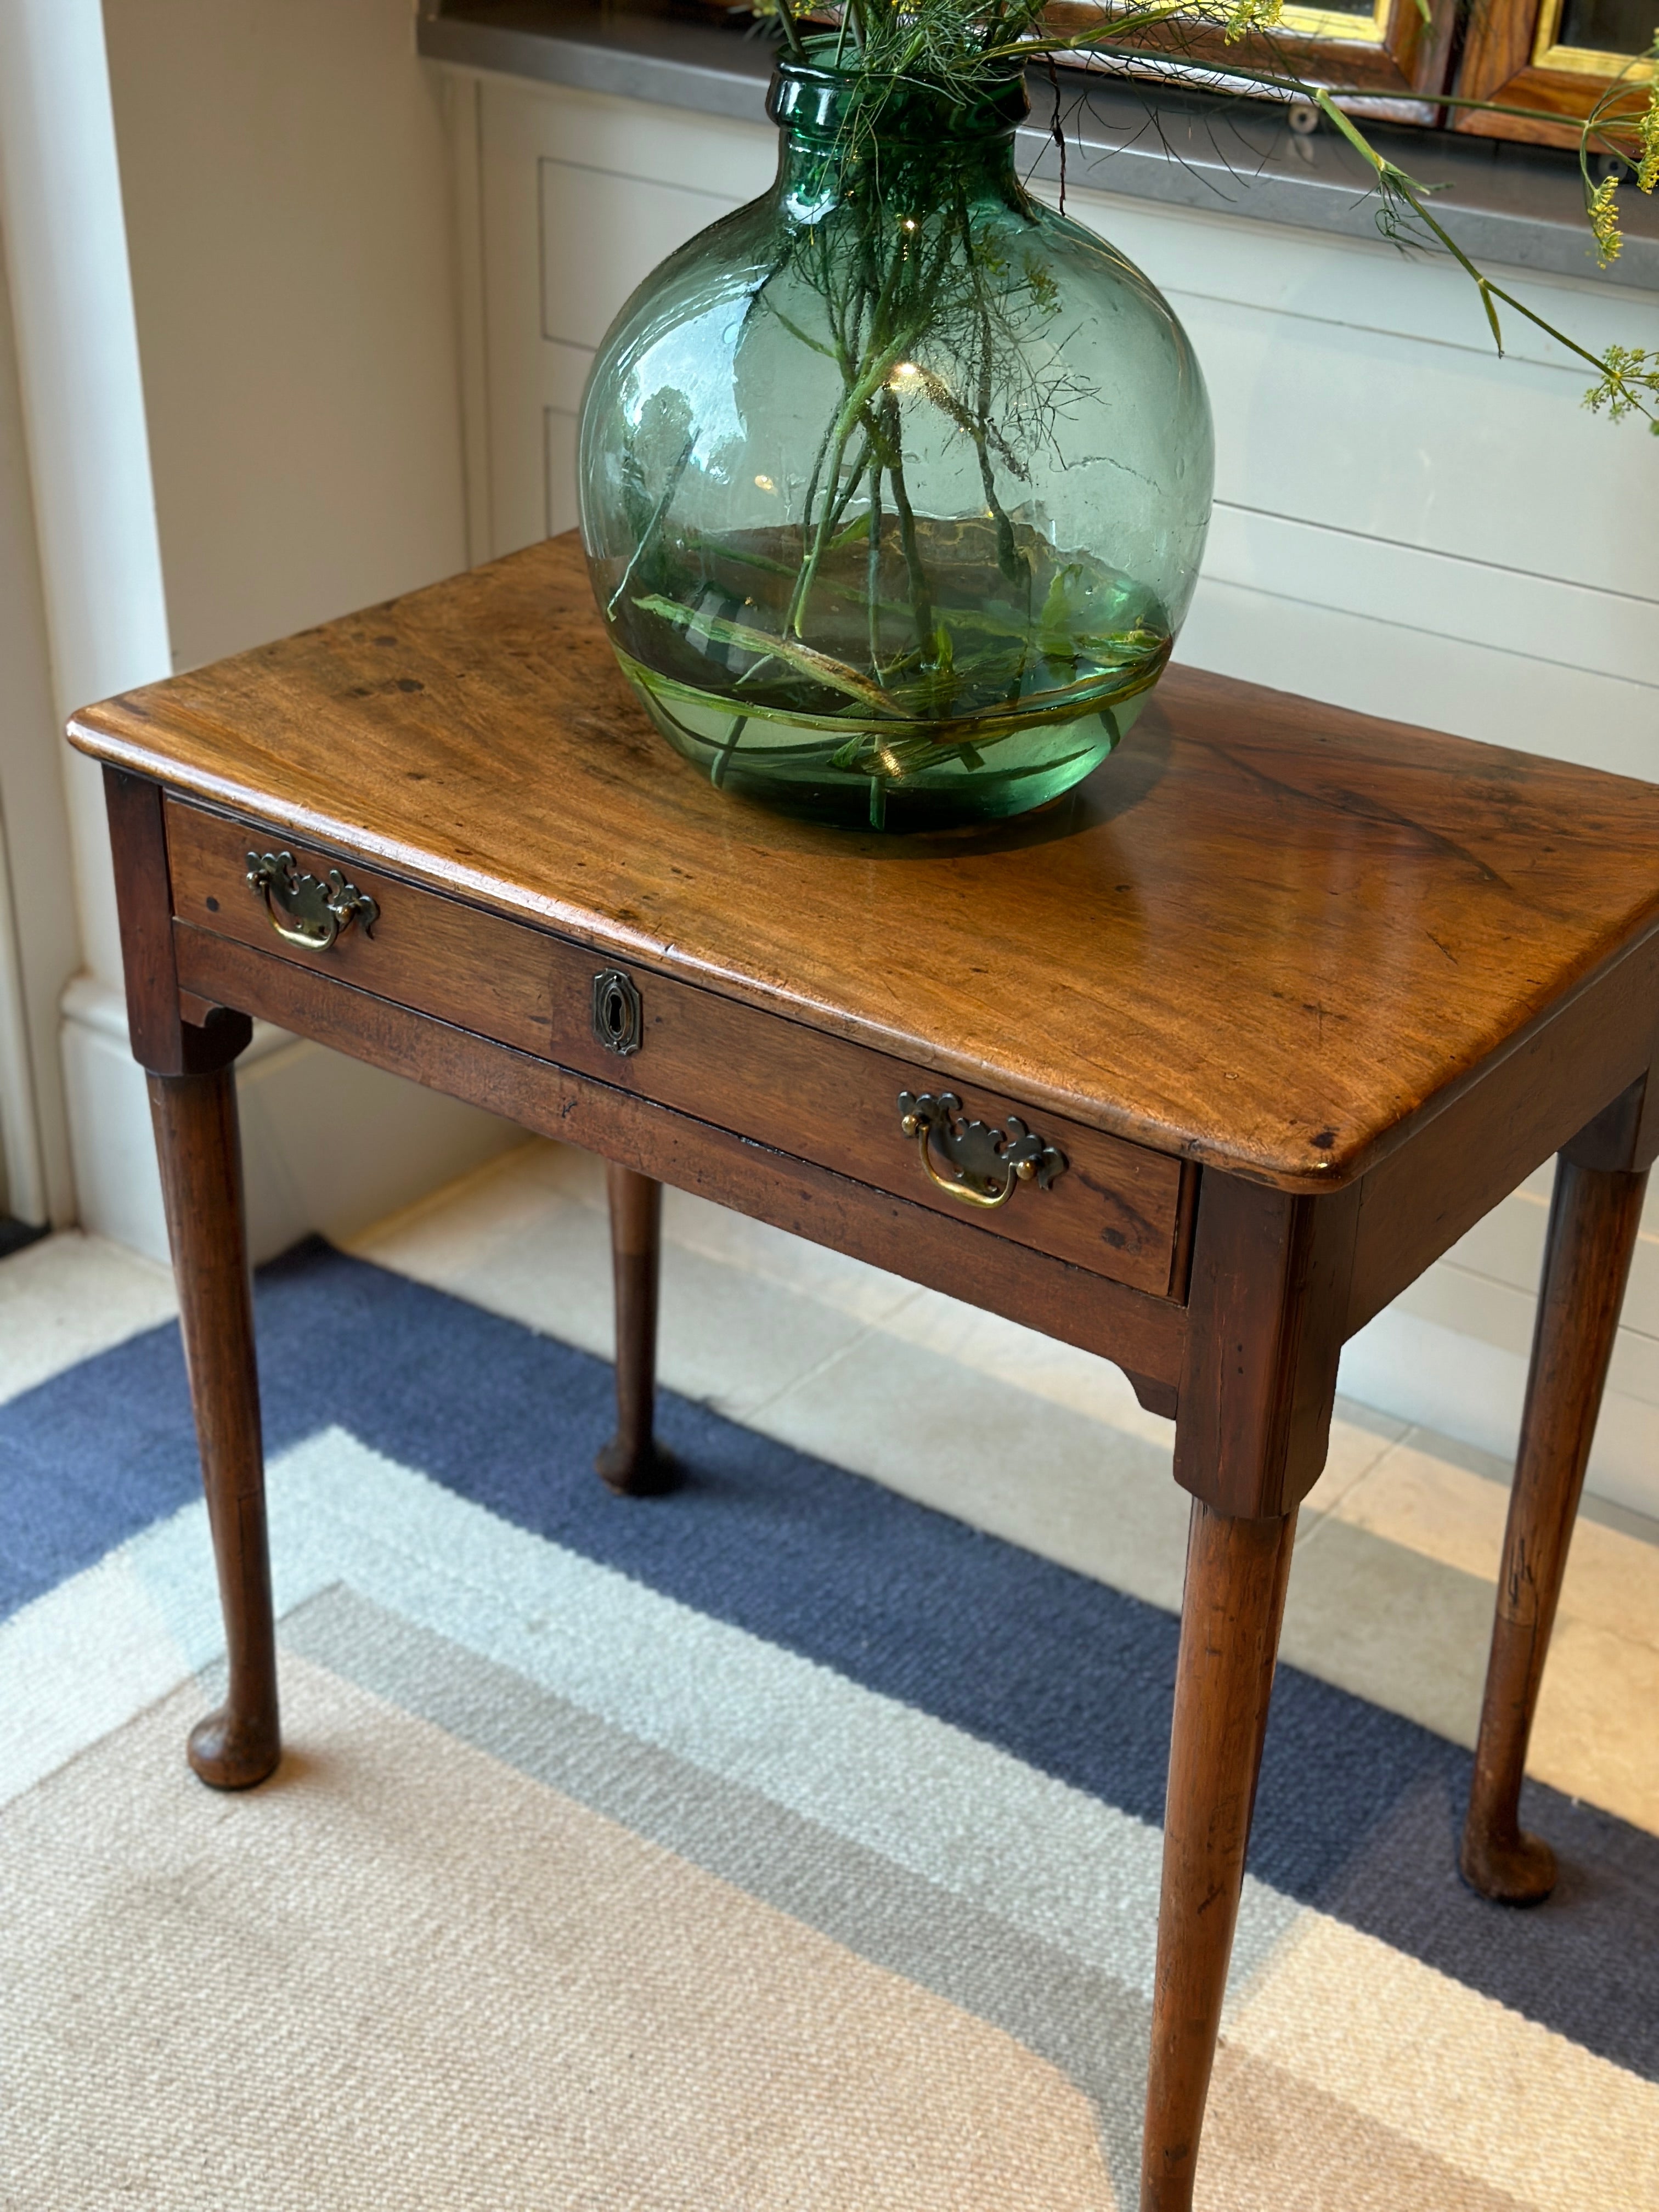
(1265, 933)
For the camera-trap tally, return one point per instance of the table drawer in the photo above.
(1113, 1207)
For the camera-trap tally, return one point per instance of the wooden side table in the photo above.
(1197, 1069)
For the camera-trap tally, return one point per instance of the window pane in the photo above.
(1607, 27)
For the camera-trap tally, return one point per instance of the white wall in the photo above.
(283, 178)
(1405, 525)
(284, 172)
(96, 559)
(40, 936)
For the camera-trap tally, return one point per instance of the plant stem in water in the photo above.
(655, 524)
(1011, 562)
(872, 574)
(921, 596)
(722, 760)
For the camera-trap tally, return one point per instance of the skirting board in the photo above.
(327, 1144)
(1423, 1372)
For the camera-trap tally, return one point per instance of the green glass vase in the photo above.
(895, 483)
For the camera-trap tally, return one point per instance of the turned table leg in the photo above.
(1592, 1233)
(196, 1136)
(1232, 1607)
(631, 1462)
(1267, 1299)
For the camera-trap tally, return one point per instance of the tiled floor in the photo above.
(1392, 1594)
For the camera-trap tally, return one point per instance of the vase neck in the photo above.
(901, 145)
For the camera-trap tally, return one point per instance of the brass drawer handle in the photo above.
(987, 1163)
(303, 910)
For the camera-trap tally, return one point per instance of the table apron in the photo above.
(1455, 1167)
(1142, 1333)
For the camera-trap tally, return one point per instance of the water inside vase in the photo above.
(961, 672)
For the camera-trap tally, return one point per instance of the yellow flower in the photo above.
(1252, 15)
(1603, 214)
(1629, 386)
(1647, 137)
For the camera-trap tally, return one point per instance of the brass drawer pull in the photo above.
(987, 1164)
(303, 910)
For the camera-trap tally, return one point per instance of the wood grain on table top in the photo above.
(1265, 933)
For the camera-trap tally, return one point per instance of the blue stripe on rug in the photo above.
(1357, 1811)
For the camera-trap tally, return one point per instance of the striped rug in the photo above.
(779, 1843)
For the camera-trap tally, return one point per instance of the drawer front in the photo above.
(1115, 1208)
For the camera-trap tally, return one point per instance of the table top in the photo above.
(1265, 933)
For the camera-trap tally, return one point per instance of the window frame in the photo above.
(1395, 69)
(1509, 54)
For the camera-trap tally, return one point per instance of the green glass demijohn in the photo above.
(895, 483)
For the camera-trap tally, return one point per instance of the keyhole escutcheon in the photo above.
(618, 1016)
